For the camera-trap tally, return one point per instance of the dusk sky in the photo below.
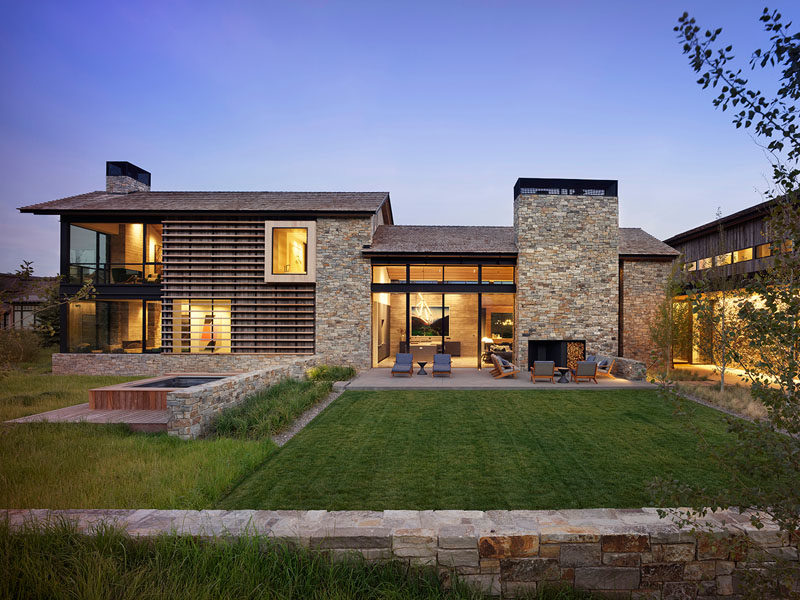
(442, 104)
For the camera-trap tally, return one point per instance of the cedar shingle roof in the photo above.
(448, 239)
(635, 241)
(368, 202)
(442, 239)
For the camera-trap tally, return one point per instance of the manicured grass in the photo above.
(268, 412)
(498, 449)
(81, 465)
(56, 562)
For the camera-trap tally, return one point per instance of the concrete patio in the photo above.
(479, 379)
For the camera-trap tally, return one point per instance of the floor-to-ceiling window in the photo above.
(464, 310)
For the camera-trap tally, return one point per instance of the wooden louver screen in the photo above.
(218, 259)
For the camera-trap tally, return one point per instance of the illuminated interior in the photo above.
(114, 253)
(289, 250)
(114, 326)
(201, 326)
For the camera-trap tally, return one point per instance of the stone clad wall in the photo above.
(161, 364)
(567, 271)
(642, 290)
(626, 553)
(192, 410)
(343, 293)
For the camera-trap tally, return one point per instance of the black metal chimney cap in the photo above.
(122, 168)
(565, 187)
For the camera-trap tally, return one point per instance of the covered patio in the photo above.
(479, 379)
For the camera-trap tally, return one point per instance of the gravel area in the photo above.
(305, 418)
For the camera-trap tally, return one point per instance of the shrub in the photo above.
(268, 412)
(330, 373)
(18, 346)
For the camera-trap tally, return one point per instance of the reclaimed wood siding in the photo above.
(224, 259)
(735, 237)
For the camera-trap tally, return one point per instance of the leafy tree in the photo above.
(763, 457)
(670, 327)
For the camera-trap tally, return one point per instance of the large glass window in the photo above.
(425, 273)
(111, 253)
(493, 274)
(289, 250)
(201, 326)
(109, 326)
(388, 274)
(153, 327)
(461, 274)
(763, 250)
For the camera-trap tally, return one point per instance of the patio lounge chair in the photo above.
(605, 366)
(403, 364)
(503, 368)
(585, 371)
(543, 368)
(442, 365)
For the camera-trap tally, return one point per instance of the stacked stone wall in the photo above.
(192, 410)
(621, 553)
(344, 292)
(642, 292)
(567, 271)
(160, 364)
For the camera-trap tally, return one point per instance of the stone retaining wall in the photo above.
(192, 410)
(159, 364)
(627, 368)
(627, 553)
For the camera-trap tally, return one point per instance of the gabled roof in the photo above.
(166, 202)
(637, 242)
(442, 239)
(458, 239)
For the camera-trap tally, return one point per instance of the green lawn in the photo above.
(498, 449)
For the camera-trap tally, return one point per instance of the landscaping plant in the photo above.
(770, 313)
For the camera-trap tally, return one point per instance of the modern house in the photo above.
(220, 281)
(733, 248)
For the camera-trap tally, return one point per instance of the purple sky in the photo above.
(443, 104)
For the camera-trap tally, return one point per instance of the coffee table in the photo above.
(422, 364)
(563, 371)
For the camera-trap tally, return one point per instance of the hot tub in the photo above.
(148, 394)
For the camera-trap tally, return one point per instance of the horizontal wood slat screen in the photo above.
(223, 260)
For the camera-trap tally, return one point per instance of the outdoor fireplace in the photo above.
(565, 353)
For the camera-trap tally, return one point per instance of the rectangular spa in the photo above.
(148, 394)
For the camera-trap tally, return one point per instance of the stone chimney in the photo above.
(567, 235)
(123, 177)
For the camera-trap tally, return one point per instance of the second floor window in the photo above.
(114, 253)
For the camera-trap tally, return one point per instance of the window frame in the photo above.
(310, 276)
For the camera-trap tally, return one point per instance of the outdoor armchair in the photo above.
(585, 371)
(543, 369)
(442, 365)
(503, 368)
(605, 366)
(403, 364)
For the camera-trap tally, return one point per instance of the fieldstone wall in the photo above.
(567, 271)
(642, 291)
(160, 364)
(626, 368)
(343, 293)
(192, 410)
(624, 553)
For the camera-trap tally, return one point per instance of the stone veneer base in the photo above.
(630, 553)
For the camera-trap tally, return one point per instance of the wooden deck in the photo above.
(139, 420)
